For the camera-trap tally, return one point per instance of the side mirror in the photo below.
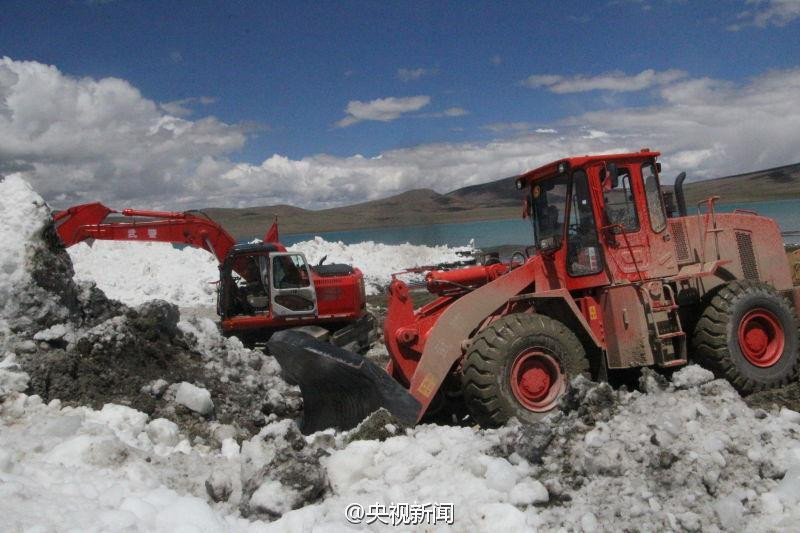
(549, 245)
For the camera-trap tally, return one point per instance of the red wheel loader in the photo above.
(262, 287)
(613, 281)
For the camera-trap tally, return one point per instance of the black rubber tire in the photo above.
(486, 373)
(716, 340)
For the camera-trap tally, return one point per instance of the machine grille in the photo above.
(746, 255)
(679, 235)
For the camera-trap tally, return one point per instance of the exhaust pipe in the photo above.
(679, 197)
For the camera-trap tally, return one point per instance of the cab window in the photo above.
(658, 219)
(583, 248)
(620, 207)
(289, 272)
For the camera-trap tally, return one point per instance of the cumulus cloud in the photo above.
(81, 140)
(411, 74)
(765, 13)
(611, 81)
(382, 109)
(86, 138)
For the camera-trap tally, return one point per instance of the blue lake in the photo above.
(518, 231)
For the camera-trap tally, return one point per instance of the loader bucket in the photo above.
(339, 388)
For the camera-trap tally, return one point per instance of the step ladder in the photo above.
(668, 336)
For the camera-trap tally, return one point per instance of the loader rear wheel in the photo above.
(748, 335)
(520, 366)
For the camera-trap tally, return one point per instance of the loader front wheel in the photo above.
(520, 366)
(748, 335)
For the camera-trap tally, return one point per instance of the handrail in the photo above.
(628, 245)
(711, 216)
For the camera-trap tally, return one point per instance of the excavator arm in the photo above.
(96, 221)
(91, 221)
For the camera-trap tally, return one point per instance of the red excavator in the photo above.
(614, 280)
(262, 287)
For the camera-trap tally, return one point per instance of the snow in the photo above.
(691, 376)
(727, 468)
(163, 431)
(12, 378)
(195, 398)
(24, 216)
(134, 272)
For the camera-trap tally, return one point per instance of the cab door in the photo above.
(635, 223)
(292, 291)
(624, 227)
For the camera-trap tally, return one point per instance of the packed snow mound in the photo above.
(68, 341)
(146, 357)
(691, 458)
(379, 261)
(36, 285)
(134, 272)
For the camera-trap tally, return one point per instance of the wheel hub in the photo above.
(761, 337)
(537, 380)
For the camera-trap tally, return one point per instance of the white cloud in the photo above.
(182, 107)
(610, 81)
(768, 13)
(411, 74)
(496, 59)
(449, 112)
(81, 140)
(382, 109)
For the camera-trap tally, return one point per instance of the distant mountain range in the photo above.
(494, 200)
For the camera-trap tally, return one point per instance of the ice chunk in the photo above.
(789, 415)
(691, 376)
(156, 387)
(195, 398)
(163, 431)
(589, 523)
(272, 498)
(52, 333)
(729, 511)
(12, 378)
(527, 492)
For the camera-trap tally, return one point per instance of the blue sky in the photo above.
(412, 74)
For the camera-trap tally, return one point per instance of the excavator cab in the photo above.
(292, 289)
(259, 280)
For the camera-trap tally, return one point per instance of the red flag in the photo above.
(272, 233)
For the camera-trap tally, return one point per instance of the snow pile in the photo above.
(69, 342)
(134, 272)
(379, 261)
(690, 458)
(35, 279)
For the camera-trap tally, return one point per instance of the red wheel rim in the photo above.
(761, 337)
(537, 380)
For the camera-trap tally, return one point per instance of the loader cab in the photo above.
(264, 280)
(599, 220)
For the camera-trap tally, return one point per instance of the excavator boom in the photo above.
(96, 221)
(91, 221)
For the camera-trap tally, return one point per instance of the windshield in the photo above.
(549, 203)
